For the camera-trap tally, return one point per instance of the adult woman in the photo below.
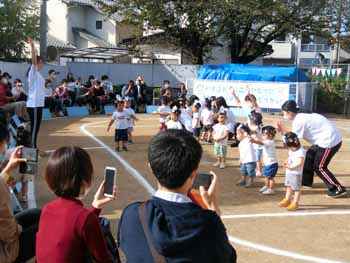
(69, 232)
(130, 91)
(36, 93)
(17, 238)
(326, 141)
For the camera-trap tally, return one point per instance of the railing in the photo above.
(315, 48)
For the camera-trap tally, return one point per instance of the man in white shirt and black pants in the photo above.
(326, 141)
(36, 93)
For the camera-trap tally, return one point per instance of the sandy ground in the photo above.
(318, 236)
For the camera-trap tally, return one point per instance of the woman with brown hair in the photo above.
(69, 232)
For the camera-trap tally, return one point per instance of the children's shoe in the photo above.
(284, 203)
(217, 164)
(249, 182)
(222, 166)
(292, 207)
(125, 148)
(117, 149)
(268, 192)
(263, 189)
(130, 142)
(241, 183)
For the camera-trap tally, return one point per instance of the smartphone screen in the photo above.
(202, 179)
(109, 181)
(31, 154)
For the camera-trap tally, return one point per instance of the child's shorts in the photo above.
(207, 128)
(248, 169)
(121, 135)
(220, 150)
(293, 181)
(258, 153)
(270, 171)
(196, 132)
(162, 127)
(130, 129)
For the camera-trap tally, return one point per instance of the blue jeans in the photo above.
(248, 169)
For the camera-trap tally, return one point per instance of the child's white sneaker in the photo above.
(263, 189)
(222, 166)
(217, 164)
(268, 192)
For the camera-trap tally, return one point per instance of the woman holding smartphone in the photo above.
(69, 232)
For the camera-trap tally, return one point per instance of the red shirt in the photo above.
(68, 232)
(3, 94)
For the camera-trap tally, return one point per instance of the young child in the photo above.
(294, 169)
(120, 118)
(131, 118)
(247, 156)
(196, 119)
(174, 121)
(207, 119)
(269, 158)
(220, 136)
(163, 111)
(255, 124)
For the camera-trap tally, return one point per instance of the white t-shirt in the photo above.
(316, 129)
(36, 88)
(186, 119)
(246, 151)
(218, 131)
(121, 120)
(196, 120)
(230, 120)
(130, 112)
(269, 152)
(163, 109)
(170, 124)
(207, 117)
(293, 159)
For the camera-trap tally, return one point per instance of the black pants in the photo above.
(317, 160)
(29, 220)
(35, 115)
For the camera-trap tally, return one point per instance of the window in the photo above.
(98, 24)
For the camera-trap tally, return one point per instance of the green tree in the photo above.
(186, 24)
(249, 26)
(19, 19)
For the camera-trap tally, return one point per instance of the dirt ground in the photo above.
(258, 228)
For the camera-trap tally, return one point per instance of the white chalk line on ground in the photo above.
(233, 239)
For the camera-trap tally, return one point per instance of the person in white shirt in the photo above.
(207, 119)
(120, 118)
(269, 158)
(247, 156)
(36, 93)
(163, 112)
(174, 122)
(294, 170)
(326, 141)
(220, 136)
(196, 119)
(250, 104)
(131, 119)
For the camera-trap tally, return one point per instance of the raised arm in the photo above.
(33, 52)
(238, 101)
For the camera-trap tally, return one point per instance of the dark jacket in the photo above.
(181, 232)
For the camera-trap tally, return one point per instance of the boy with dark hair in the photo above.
(170, 227)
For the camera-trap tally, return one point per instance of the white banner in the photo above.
(269, 95)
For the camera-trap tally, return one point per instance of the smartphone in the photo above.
(110, 180)
(29, 167)
(202, 179)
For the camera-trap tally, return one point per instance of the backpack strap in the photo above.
(157, 258)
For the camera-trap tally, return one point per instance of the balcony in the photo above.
(315, 48)
(281, 50)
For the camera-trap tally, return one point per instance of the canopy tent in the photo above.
(242, 72)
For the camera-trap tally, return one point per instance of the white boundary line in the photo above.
(233, 239)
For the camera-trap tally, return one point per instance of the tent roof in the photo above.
(252, 73)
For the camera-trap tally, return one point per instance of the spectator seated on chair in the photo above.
(98, 98)
(18, 91)
(17, 239)
(62, 99)
(108, 87)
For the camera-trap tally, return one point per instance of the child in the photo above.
(174, 121)
(164, 111)
(247, 156)
(294, 169)
(196, 119)
(269, 158)
(255, 124)
(207, 119)
(220, 135)
(120, 117)
(131, 118)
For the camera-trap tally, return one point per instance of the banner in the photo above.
(269, 95)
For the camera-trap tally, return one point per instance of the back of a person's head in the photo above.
(173, 156)
(68, 170)
(290, 106)
(4, 133)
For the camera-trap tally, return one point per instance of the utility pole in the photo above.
(43, 29)
(339, 25)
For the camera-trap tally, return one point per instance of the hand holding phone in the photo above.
(31, 164)
(105, 193)
(110, 181)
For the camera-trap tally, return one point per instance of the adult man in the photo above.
(141, 94)
(326, 141)
(170, 227)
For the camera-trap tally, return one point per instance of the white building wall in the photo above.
(281, 50)
(76, 18)
(108, 31)
(57, 19)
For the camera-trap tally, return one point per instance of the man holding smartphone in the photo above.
(171, 227)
